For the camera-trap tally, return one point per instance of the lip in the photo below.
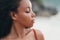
(33, 21)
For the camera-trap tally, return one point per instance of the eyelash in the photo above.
(27, 12)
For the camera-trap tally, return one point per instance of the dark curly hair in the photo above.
(6, 6)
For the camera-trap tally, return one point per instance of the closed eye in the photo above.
(27, 10)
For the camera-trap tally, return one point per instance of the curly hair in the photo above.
(6, 6)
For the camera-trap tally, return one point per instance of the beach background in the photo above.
(49, 26)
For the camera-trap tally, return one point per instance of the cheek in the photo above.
(25, 20)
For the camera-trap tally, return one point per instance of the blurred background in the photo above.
(47, 18)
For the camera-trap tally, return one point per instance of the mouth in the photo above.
(33, 21)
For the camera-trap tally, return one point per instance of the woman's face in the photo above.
(25, 16)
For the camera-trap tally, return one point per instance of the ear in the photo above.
(13, 15)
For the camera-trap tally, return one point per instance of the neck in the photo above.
(18, 29)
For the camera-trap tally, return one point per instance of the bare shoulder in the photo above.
(39, 35)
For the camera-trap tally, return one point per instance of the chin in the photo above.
(29, 26)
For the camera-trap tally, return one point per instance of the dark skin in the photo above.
(24, 17)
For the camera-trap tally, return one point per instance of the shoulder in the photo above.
(39, 34)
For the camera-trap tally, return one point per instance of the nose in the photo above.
(33, 14)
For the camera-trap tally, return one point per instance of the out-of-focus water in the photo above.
(53, 3)
(50, 26)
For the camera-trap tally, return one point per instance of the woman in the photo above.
(16, 19)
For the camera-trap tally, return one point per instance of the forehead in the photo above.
(25, 3)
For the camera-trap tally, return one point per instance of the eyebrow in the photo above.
(29, 7)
